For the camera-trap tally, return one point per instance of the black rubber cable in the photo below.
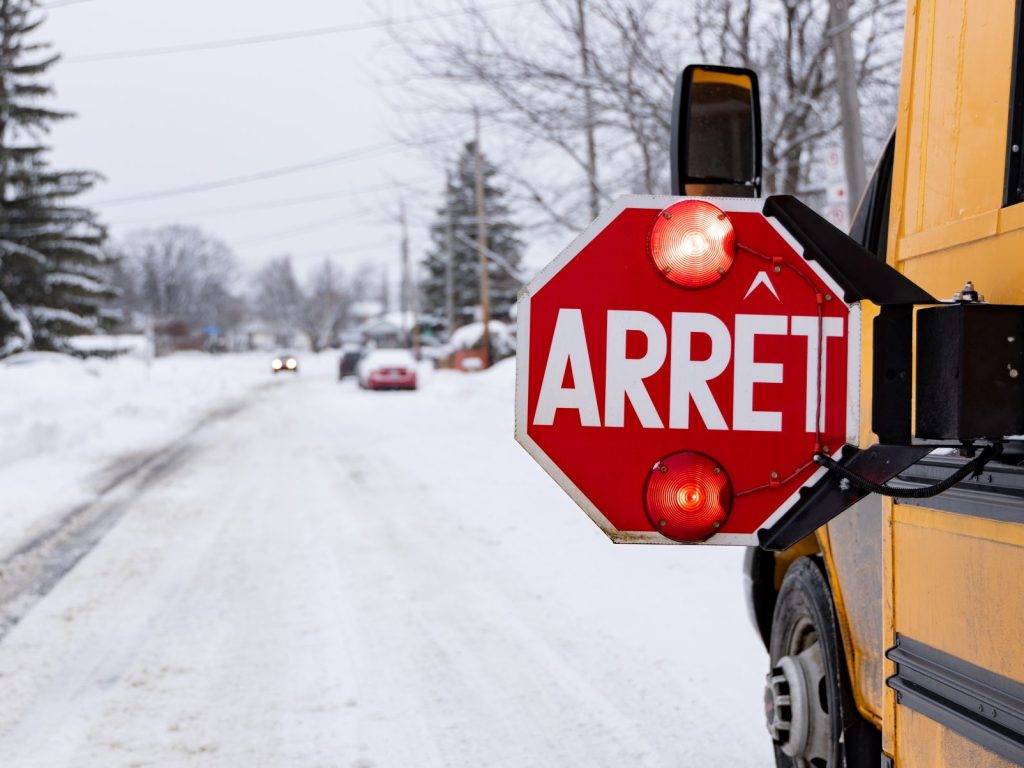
(972, 467)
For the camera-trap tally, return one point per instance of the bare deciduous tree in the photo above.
(320, 312)
(791, 44)
(585, 81)
(580, 90)
(278, 298)
(323, 310)
(179, 272)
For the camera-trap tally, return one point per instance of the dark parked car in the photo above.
(349, 361)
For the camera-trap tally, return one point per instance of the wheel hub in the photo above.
(796, 708)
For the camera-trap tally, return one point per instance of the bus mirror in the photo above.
(716, 132)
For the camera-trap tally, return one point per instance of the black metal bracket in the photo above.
(859, 274)
(828, 497)
(970, 360)
(892, 358)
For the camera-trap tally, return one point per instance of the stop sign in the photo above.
(679, 366)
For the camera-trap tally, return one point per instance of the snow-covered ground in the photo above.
(68, 426)
(332, 577)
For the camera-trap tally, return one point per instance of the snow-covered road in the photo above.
(330, 577)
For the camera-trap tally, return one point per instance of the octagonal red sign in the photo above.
(685, 405)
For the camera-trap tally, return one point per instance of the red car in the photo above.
(388, 369)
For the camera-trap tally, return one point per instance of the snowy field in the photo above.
(326, 577)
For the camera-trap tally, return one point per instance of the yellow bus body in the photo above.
(951, 579)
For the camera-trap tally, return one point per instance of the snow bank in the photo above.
(471, 335)
(496, 383)
(134, 344)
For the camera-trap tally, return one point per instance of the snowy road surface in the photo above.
(330, 577)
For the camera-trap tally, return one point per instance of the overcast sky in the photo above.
(155, 123)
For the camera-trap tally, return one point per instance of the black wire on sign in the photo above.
(820, 298)
(972, 467)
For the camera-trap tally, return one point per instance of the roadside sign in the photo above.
(836, 193)
(838, 214)
(679, 365)
(832, 161)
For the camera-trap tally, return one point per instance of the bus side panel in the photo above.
(958, 588)
(954, 581)
(923, 742)
(954, 118)
(982, 261)
(852, 545)
(960, 585)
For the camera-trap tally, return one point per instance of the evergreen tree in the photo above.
(52, 267)
(454, 232)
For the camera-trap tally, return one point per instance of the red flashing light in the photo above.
(687, 496)
(692, 243)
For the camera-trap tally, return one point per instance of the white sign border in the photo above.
(660, 202)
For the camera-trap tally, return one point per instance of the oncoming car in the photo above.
(387, 369)
(285, 362)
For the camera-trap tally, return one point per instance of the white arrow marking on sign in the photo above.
(762, 279)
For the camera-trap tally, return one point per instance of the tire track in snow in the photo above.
(33, 569)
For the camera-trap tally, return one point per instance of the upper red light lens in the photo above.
(692, 243)
(688, 496)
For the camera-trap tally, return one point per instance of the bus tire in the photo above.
(812, 716)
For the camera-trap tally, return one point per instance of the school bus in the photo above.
(896, 630)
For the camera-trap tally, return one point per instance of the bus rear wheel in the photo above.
(809, 706)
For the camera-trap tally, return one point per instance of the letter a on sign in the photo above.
(568, 351)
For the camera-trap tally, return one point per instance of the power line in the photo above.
(374, 149)
(340, 251)
(235, 42)
(279, 203)
(302, 229)
(497, 258)
(259, 176)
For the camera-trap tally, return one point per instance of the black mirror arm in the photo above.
(720, 180)
(853, 267)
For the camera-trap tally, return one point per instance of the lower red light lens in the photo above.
(688, 496)
(692, 243)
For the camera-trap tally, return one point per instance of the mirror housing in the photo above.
(716, 132)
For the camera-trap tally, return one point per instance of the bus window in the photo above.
(870, 225)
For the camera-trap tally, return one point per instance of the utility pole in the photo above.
(849, 101)
(408, 299)
(481, 239)
(588, 110)
(449, 268)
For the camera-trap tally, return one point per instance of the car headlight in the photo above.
(290, 364)
(276, 365)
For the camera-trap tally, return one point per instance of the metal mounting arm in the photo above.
(860, 273)
(861, 276)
